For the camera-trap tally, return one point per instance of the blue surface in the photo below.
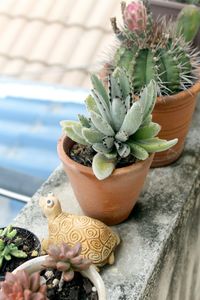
(29, 124)
(9, 210)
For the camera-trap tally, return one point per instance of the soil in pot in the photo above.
(79, 288)
(27, 242)
(84, 156)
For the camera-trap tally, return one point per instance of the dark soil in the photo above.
(27, 242)
(84, 156)
(79, 288)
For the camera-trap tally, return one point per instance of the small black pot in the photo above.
(30, 240)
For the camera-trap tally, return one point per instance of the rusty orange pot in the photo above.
(174, 114)
(110, 200)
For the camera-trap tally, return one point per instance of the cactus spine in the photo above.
(160, 53)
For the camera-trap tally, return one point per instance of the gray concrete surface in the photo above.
(159, 258)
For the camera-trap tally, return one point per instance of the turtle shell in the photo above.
(98, 240)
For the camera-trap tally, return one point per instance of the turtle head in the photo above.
(50, 206)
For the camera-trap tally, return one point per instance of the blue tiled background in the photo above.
(29, 129)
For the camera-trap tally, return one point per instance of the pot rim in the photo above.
(36, 264)
(192, 91)
(88, 170)
(27, 230)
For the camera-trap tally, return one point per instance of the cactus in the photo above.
(22, 286)
(8, 245)
(188, 22)
(118, 126)
(158, 53)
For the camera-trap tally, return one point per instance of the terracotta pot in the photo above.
(36, 265)
(110, 200)
(174, 114)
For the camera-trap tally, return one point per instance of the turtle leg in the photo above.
(111, 259)
(45, 245)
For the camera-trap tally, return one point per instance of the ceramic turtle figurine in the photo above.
(97, 239)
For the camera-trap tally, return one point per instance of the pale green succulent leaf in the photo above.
(7, 257)
(102, 166)
(77, 128)
(114, 88)
(91, 104)
(137, 151)
(66, 123)
(18, 253)
(147, 132)
(99, 87)
(108, 141)
(85, 122)
(123, 149)
(156, 144)
(123, 81)
(122, 136)
(102, 107)
(111, 155)
(99, 147)
(148, 98)
(92, 136)
(133, 119)
(101, 124)
(128, 102)
(118, 111)
(147, 121)
(74, 137)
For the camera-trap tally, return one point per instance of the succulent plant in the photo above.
(188, 22)
(66, 259)
(119, 125)
(153, 50)
(9, 245)
(22, 286)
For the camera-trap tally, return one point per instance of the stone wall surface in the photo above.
(159, 257)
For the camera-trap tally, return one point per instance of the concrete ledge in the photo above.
(159, 257)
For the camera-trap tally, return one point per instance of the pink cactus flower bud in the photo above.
(135, 16)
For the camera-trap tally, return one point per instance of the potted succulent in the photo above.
(62, 274)
(16, 246)
(154, 49)
(106, 156)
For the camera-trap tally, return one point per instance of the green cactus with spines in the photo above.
(188, 22)
(118, 125)
(8, 245)
(160, 53)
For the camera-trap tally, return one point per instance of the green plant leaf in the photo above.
(133, 119)
(85, 122)
(102, 166)
(77, 128)
(148, 98)
(156, 144)
(102, 107)
(123, 149)
(99, 87)
(99, 147)
(74, 137)
(123, 81)
(118, 111)
(115, 88)
(18, 253)
(101, 124)
(91, 104)
(92, 136)
(137, 151)
(147, 132)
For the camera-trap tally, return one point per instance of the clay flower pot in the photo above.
(174, 114)
(110, 200)
(36, 265)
